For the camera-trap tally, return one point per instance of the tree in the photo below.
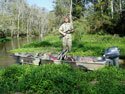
(18, 18)
(62, 8)
(78, 8)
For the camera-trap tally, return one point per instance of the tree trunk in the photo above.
(12, 29)
(71, 12)
(18, 23)
(27, 28)
(120, 5)
(112, 8)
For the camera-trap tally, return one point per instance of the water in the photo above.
(6, 58)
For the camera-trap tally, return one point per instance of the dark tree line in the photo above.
(110, 12)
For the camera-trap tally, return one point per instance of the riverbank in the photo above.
(90, 45)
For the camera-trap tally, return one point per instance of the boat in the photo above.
(110, 57)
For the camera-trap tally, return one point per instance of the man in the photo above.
(65, 30)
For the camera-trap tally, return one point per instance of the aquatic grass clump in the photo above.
(89, 45)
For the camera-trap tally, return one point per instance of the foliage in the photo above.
(79, 31)
(100, 15)
(95, 23)
(78, 7)
(3, 40)
(61, 9)
(94, 45)
(89, 45)
(23, 20)
(61, 79)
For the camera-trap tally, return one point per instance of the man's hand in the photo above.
(64, 34)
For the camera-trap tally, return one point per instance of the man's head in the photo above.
(66, 19)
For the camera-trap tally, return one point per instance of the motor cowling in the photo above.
(112, 53)
(111, 56)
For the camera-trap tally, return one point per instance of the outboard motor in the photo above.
(112, 56)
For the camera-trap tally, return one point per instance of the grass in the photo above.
(90, 45)
(60, 79)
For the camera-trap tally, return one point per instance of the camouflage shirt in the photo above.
(66, 27)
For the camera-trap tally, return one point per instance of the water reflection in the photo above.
(5, 57)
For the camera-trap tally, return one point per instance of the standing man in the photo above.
(65, 30)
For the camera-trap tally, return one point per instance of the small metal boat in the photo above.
(110, 57)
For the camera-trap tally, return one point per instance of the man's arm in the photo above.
(61, 30)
